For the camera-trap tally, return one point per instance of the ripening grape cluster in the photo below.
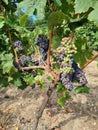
(24, 60)
(69, 69)
(43, 43)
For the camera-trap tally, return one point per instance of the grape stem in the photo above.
(89, 61)
(33, 67)
(49, 49)
(15, 53)
(55, 75)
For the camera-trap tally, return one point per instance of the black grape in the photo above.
(74, 64)
(18, 45)
(43, 43)
(23, 60)
(78, 75)
(66, 81)
(44, 56)
(36, 63)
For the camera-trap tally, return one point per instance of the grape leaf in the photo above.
(56, 18)
(23, 20)
(82, 89)
(93, 16)
(82, 6)
(83, 54)
(7, 62)
(58, 3)
(42, 85)
(18, 82)
(26, 4)
(40, 9)
(49, 78)
(6, 2)
(29, 79)
(61, 101)
(3, 82)
(60, 88)
(2, 24)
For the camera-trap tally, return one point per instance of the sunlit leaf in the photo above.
(93, 16)
(2, 24)
(82, 6)
(82, 89)
(61, 101)
(5, 1)
(23, 20)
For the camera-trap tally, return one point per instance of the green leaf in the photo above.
(83, 51)
(6, 62)
(29, 79)
(40, 6)
(82, 6)
(2, 24)
(7, 66)
(93, 16)
(3, 82)
(67, 95)
(6, 2)
(42, 85)
(23, 20)
(49, 78)
(58, 3)
(18, 82)
(82, 89)
(61, 101)
(31, 6)
(26, 4)
(56, 18)
(2, 21)
(10, 78)
(60, 88)
(40, 72)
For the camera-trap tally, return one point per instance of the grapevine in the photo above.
(27, 53)
(68, 70)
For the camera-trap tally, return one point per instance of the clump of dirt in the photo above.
(18, 108)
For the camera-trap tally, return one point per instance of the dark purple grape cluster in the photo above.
(78, 75)
(23, 60)
(18, 45)
(66, 81)
(43, 43)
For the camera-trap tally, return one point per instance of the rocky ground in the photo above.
(18, 108)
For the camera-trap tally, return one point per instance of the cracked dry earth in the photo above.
(18, 107)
